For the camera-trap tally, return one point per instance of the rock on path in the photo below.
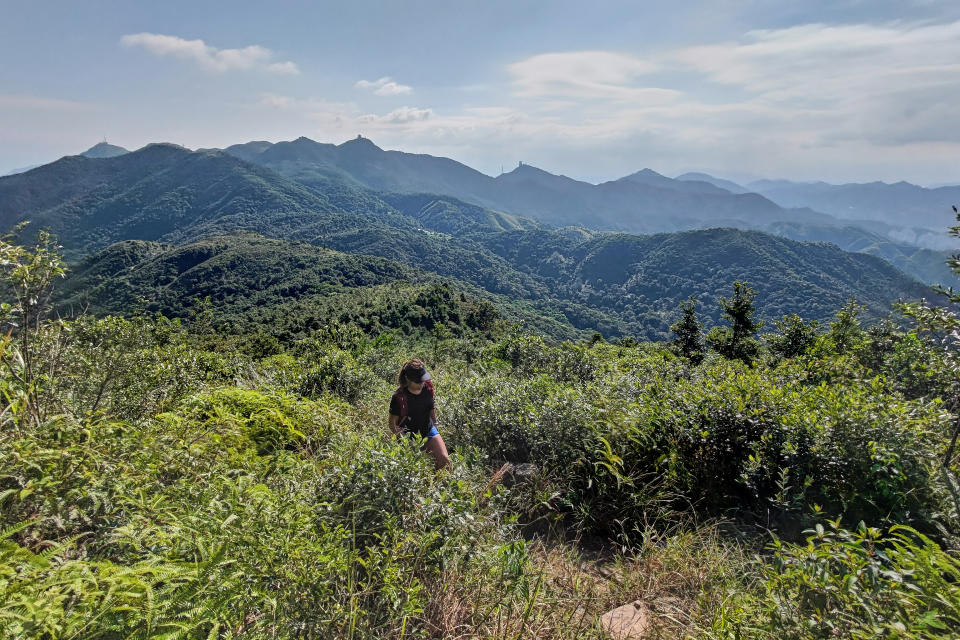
(629, 622)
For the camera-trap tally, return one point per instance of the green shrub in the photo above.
(769, 443)
(863, 585)
(272, 421)
(529, 355)
(314, 369)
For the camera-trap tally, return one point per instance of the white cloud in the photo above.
(384, 87)
(854, 102)
(887, 84)
(587, 75)
(815, 58)
(408, 114)
(210, 58)
(284, 67)
(398, 116)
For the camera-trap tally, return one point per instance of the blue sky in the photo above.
(839, 91)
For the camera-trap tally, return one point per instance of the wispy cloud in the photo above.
(812, 58)
(885, 84)
(384, 87)
(588, 75)
(253, 57)
(862, 101)
(399, 116)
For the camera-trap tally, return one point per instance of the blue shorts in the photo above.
(430, 434)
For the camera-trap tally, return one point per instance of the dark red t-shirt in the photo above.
(418, 410)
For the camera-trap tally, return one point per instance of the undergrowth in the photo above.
(152, 488)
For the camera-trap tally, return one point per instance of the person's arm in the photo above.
(433, 416)
(395, 424)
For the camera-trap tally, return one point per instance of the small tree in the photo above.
(845, 332)
(738, 341)
(793, 337)
(689, 341)
(26, 278)
(940, 327)
(483, 316)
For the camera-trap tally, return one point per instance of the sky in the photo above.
(841, 90)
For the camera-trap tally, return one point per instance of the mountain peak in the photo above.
(529, 168)
(104, 150)
(360, 143)
(646, 171)
(524, 169)
(648, 177)
(645, 174)
(165, 145)
(697, 176)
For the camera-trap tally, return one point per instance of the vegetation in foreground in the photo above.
(160, 481)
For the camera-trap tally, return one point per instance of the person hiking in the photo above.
(414, 412)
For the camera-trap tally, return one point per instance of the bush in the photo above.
(863, 585)
(727, 436)
(314, 369)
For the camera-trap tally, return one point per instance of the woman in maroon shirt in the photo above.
(414, 412)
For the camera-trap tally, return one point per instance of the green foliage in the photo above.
(862, 584)
(313, 369)
(27, 279)
(529, 355)
(181, 484)
(738, 341)
(772, 444)
(272, 422)
(794, 337)
(689, 341)
(845, 333)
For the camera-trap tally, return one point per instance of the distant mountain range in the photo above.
(902, 211)
(193, 202)
(643, 202)
(902, 205)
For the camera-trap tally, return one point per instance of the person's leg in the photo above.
(437, 449)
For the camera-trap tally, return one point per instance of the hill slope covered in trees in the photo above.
(616, 284)
(163, 479)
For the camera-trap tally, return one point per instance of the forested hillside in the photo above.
(642, 202)
(194, 479)
(618, 285)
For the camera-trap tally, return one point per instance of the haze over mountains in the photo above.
(526, 235)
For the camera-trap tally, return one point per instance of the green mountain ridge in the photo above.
(255, 283)
(613, 283)
(644, 202)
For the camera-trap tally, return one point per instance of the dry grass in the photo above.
(682, 578)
